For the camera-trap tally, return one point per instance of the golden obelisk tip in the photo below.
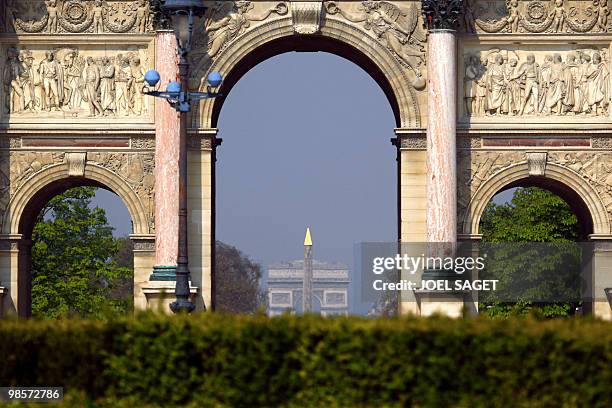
(308, 239)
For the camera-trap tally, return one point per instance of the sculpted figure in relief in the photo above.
(12, 80)
(396, 27)
(137, 73)
(503, 85)
(107, 87)
(52, 12)
(98, 24)
(52, 76)
(92, 85)
(230, 19)
(67, 82)
(143, 15)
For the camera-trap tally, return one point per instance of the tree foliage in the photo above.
(540, 270)
(533, 215)
(237, 281)
(74, 265)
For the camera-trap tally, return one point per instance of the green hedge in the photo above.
(217, 361)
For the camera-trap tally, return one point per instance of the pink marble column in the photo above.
(167, 143)
(441, 137)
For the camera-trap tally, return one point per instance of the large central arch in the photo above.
(337, 37)
(276, 35)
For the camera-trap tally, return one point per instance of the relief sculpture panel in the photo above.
(537, 16)
(538, 84)
(70, 82)
(77, 16)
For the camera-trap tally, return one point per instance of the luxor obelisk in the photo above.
(307, 281)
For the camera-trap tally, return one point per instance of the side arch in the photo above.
(337, 37)
(56, 179)
(581, 196)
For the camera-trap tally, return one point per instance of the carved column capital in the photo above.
(442, 14)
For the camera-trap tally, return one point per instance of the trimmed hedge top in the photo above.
(215, 360)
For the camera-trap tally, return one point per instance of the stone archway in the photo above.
(338, 37)
(245, 35)
(33, 194)
(583, 198)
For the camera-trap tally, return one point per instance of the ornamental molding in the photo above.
(537, 16)
(307, 16)
(77, 17)
(536, 162)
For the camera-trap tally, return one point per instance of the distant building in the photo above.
(329, 287)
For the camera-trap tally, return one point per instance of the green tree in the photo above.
(74, 259)
(237, 281)
(533, 215)
(528, 271)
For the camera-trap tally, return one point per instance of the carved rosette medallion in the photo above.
(79, 16)
(538, 16)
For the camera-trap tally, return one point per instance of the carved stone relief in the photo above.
(306, 16)
(594, 167)
(397, 27)
(142, 143)
(78, 16)
(419, 143)
(17, 167)
(76, 163)
(536, 162)
(476, 167)
(537, 16)
(136, 169)
(570, 83)
(68, 82)
(601, 143)
(226, 21)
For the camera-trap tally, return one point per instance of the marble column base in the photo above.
(160, 294)
(163, 273)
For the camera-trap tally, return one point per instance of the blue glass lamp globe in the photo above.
(152, 78)
(173, 87)
(215, 79)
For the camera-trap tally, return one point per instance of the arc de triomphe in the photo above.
(487, 95)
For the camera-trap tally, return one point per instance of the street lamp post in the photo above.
(182, 14)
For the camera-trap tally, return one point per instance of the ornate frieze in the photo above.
(397, 27)
(571, 83)
(200, 142)
(77, 16)
(409, 142)
(142, 143)
(594, 167)
(538, 16)
(71, 82)
(476, 167)
(601, 143)
(144, 245)
(227, 20)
